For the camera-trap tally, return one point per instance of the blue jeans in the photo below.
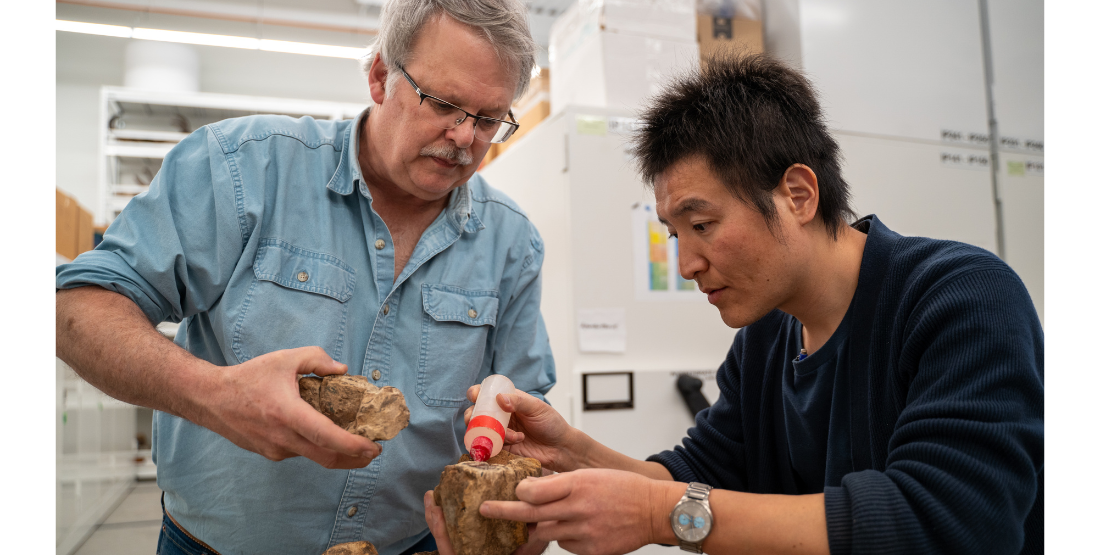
(174, 541)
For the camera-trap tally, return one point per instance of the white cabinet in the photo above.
(900, 69)
(573, 177)
(914, 69)
(137, 129)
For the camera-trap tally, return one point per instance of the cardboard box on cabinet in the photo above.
(74, 231)
(719, 34)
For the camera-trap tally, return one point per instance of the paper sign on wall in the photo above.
(601, 330)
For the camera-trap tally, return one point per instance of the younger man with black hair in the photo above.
(915, 423)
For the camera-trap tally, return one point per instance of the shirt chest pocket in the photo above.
(454, 342)
(298, 298)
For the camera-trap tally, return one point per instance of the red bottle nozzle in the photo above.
(481, 448)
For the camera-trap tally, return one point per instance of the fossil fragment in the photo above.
(357, 405)
(464, 486)
(352, 548)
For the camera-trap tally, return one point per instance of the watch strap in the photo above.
(697, 491)
(691, 547)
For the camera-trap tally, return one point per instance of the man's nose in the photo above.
(691, 262)
(463, 134)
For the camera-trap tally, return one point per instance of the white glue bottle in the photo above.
(485, 432)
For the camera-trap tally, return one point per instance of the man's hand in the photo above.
(535, 430)
(592, 511)
(433, 514)
(257, 406)
(109, 342)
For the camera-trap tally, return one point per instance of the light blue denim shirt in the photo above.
(258, 234)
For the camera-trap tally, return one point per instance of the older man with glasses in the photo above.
(288, 247)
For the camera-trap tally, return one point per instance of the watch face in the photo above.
(691, 521)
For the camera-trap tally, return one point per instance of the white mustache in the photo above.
(449, 153)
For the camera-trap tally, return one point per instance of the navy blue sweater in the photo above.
(925, 426)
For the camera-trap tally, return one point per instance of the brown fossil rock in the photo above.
(357, 405)
(464, 486)
(310, 390)
(352, 548)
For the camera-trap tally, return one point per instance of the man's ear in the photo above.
(799, 192)
(376, 79)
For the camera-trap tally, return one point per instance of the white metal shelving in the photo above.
(139, 127)
(97, 451)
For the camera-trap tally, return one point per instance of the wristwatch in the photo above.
(691, 517)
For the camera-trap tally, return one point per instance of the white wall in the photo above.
(84, 64)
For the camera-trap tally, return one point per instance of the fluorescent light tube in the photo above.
(196, 38)
(93, 28)
(312, 49)
(206, 39)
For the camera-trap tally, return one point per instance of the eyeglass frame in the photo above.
(513, 124)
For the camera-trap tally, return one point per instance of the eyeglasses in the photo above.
(445, 115)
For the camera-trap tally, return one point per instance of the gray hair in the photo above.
(502, 22)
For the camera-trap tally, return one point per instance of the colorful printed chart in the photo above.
(657, 273)
(658, 256)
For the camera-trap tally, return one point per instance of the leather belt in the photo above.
(184, 530)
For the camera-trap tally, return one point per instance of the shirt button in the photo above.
(385, 309)
(377, 375)
(352, 511)
(380, 244)
(303, 276)
(472, 313)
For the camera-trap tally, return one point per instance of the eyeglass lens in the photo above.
(445, 116)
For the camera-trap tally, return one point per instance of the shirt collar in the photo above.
(460, 210)
(349, 176)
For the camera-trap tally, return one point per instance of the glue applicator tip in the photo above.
(480, 448)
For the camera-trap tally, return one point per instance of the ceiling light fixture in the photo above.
(205, 39)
